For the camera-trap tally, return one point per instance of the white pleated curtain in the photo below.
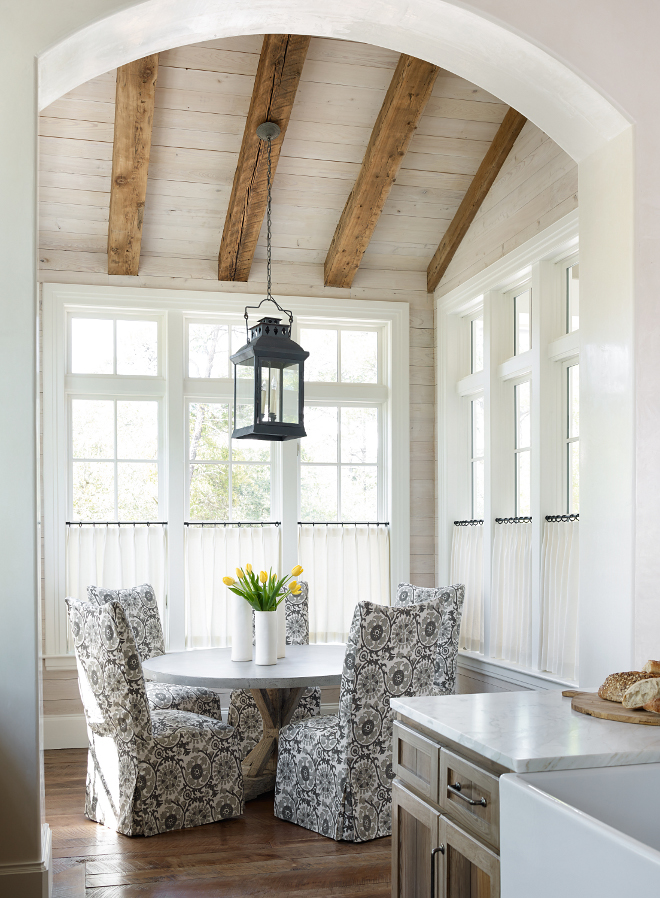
(467, 568)
(343, 565)
(511, 594)
(212, 553)
(116, 557)
(560, 557)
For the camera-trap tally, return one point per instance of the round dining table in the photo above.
(276, 688)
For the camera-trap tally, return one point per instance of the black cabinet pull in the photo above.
(456, 790)
(441, 849)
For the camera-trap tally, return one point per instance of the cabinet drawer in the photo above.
(471, 796)
(416, 761)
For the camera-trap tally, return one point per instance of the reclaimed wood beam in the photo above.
(134, 116)
(276, 82)
(489, 169)
(402, 107)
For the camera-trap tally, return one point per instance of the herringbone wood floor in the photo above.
(253, 855)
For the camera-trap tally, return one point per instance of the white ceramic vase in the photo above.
(265, 632)
(241, 629)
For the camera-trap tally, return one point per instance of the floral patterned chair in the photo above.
(451, 599)
(148, 771)
(334, 774)
(244, 715)
(141, 608)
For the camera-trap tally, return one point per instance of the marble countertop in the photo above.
(532, 731)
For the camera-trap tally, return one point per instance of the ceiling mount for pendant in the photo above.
(268, 131)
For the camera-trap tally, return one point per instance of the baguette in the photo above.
(653, 705)
(616, 684)
(652, 667)
(640, 693)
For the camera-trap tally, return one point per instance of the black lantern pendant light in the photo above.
(269, 369)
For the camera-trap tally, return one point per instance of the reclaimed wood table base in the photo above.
(277, 707)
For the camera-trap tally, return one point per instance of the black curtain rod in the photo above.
(472, 523)
(232, 523)
(114, 523)
(562, 517)
(513, 520)
(343, 523)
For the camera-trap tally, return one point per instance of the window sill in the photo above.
(511, 673)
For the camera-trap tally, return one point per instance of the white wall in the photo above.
(611, 46)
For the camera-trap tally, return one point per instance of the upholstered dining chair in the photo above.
(451, 599)
(141, 608)
(334, 774)
(148, 771)
(244, 715)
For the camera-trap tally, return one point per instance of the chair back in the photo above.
(110, 674)
(390, 653)
(139, 603)
(297, 616)
(451, 600)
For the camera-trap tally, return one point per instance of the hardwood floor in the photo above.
(253, 855)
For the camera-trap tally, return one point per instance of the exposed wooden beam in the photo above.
(276, 82)
(476, 193)
(402, 107)
(134, 116)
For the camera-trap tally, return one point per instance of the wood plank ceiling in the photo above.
(202, 155)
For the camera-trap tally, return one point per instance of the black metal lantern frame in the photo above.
(269, 375)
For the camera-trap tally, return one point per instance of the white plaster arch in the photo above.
(556, 98)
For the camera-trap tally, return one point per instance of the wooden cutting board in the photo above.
(592, 704)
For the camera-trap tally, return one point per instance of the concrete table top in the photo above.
(304, 665)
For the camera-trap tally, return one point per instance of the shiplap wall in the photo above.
(538, 185)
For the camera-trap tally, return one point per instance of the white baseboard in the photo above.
(30, 880)
(64, 731)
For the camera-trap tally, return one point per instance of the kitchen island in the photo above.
(448, 755)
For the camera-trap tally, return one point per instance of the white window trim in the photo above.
(58, 299)
(538, 261)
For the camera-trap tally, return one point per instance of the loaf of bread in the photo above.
(640, 693)
(653, 705)
(652, 667)
(616, 684)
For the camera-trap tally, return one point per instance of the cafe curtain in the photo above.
(467, 568)
(344, 564)
(116, 556)
(214, 552)
(560, 560)
(511, 594)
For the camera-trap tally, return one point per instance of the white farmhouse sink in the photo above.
(592, 832)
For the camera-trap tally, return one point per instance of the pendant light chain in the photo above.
(268, 232)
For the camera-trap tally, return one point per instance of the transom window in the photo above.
(340, 355)
(124, 346)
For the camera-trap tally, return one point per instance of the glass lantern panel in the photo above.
(291, 393)
(270, 410)
(244, 411)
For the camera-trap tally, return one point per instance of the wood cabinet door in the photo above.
(415, 830)
(467, 868)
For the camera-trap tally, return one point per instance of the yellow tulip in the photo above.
(228, 581)
(297, 571)
(239, 573)
(263, 576)
(248, 568)
(295, 588)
